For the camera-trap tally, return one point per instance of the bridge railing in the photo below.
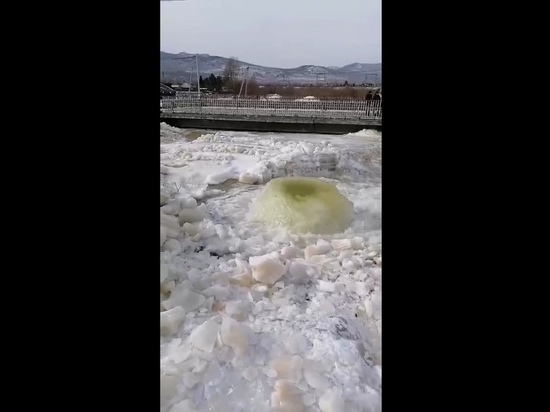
(335, 109)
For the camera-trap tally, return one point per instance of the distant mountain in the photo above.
(182, 66)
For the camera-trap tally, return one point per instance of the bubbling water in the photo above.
(304, 205)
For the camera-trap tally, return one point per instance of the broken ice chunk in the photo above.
(170, 225)
(358, 243)
(349, 264)
(311, 251)
(299, 269)
(308, 399)
(187, 299)
(288, 368)
(184, 406)
(296, 343)
(164, 271)
(248, 178)
(234, 335)
(255, 295)
(172, 245)
(172, 208)
(190, 229)
(162, 235)
(235, 308)
(191, 215)
(331, 401)
(171, 320)
(266, 268)
(242, 279)
(362, 288)
(290, 252)
(242, 266)
(208, 304)
(167, 287)
(368, 308)
(315, 379)
(258, 287)
(167, 388)
(327, 306)
(204, 337)
(345, 254)
(250, 373)
(375, 300)
(218, 292)
(323, 246)
(342, 244)
(326, 286)
(286, 397)
(187, 203)
(269, 372)
(213, 375)
(319, 259)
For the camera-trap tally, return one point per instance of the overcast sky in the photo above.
(281, 33)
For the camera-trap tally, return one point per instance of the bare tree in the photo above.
(230, 73)
(252, 86)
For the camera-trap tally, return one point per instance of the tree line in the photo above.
(232, 77)
(212, 83)
(230, 81)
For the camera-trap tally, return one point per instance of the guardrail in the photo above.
(334, 109)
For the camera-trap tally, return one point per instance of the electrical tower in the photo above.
(372, 74)
(285, 79)
(244, 81)
(321, 79)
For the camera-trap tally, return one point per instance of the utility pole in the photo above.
(244, 81)
(246, 84)
(198, 81)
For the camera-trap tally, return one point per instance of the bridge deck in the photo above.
(352, 109)
(277, 115)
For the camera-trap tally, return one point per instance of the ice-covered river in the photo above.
(256, 318)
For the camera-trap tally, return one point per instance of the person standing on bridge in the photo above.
(378, 98)
(368, 99)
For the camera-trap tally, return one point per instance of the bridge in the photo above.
(275, 115)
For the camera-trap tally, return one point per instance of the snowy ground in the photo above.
(264, 320)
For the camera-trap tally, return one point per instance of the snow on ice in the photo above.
(258, 318)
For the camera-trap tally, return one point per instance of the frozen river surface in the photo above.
(258, 319)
